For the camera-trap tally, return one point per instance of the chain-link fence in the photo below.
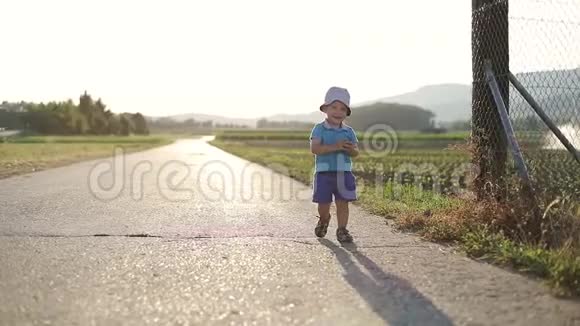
(539, 42)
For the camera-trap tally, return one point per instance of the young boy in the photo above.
(334, 143)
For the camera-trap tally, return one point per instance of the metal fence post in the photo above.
(489, 42)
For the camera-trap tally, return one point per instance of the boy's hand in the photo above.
(349, 147)
(343, 145)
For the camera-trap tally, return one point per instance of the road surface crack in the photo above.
(137, 235)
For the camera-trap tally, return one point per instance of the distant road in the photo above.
(226, 246)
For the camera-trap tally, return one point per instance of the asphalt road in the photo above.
(187, 234)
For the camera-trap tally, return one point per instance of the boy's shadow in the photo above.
(394, 299)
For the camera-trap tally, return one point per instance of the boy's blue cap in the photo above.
(337, 94)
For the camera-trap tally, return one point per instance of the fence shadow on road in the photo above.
(392, 298)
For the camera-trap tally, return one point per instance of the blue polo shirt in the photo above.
(328, 135)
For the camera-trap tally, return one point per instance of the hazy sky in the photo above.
(237, 58)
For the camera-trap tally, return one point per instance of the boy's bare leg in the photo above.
(342, 213)
(324, 211)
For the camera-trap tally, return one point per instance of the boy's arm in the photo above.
(316, 146)
(352, 149)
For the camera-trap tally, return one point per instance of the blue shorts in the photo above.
(341, 184)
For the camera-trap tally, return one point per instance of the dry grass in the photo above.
(497, 233)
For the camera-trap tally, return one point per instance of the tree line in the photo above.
(168, 124)
(89, 117)
(264, 123)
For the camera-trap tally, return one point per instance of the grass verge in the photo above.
(19, 155)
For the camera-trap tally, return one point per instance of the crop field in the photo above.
(411, 138)
(425, 160)
(430, 161)
(554, 171)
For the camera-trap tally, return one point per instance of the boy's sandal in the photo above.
(321, 227)
(342, 235)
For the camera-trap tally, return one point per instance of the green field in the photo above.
(390, 156)
(303, 135)
(153, 139)
(448, 168)
(554, 171)
(432, 156)
(26, 154)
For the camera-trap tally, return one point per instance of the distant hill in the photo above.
(397, 116)
(449, 102)
(313, 117)
(208, 117)
(557, 92)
